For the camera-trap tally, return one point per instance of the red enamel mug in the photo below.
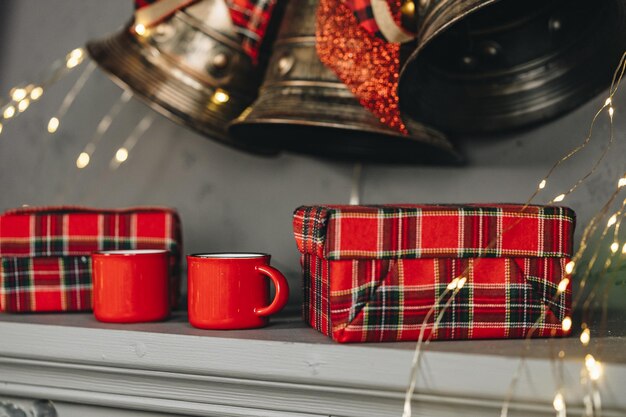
(231, 290)
(130, 286)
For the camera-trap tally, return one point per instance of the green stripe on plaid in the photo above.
(76, 271)
(16, 273)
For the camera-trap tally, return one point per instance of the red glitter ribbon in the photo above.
(368, 65)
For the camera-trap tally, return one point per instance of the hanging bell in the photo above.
(190, 67)
(303, 107)
(481, 66)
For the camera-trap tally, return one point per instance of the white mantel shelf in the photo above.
(286, 369)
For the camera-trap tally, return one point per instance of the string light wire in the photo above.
(123, 152)
(69, 98)
(103, 126)
(608, 106)
(23, 95)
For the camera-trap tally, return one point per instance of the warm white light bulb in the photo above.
(121, 155)
(77, 53)
(611, 112)
(569, 267)
(83, 160)
(608, 101)
(220, 96)
(140, 29)
(452, 285)
(614, 247)
(566, 324)
(72, 62)
(23, 105)
(542, 184)
(2, 127)
(559, 198)
(612, 221)
(9, 112)
(36, 93)
(559, 402)
(563, 285)
(74, 58)
(53, 125)
(461, 283)
(585, 337)
(18, 94)
(595, 372)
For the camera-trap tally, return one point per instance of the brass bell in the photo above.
(304, 108)
(485, 66)
(190, 67)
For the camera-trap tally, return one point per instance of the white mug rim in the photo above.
(229, 255)
(131, 252)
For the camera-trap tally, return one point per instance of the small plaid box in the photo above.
(372, 273)
(45, 252)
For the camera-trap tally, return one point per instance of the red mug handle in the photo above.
(282, 291)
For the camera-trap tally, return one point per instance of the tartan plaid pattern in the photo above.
(382, 289)
(251, 18)
(63, 234)
(427, 231)
(387, 300)
(45, 284)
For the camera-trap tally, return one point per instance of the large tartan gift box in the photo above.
(372, 273)
(45, 252)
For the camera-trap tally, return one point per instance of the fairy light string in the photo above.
(84, 158)
(559, 400)
(585, 336)
(454, 286)
(22, 96)
(123, 152)
(55, 121)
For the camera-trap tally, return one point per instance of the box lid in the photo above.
(431, 231)
(75, 231)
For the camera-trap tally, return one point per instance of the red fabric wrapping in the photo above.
(371, 273)
(250, 17)
(44, 252)
(364, 14)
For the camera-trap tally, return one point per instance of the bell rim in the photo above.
(531, 116)
(448, 154)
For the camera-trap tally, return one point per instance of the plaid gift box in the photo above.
(372, 273)
(44, 252)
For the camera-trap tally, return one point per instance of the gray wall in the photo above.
(230, 201)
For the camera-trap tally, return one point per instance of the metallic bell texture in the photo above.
(482, 66)
(190, 68)
(303, 108)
